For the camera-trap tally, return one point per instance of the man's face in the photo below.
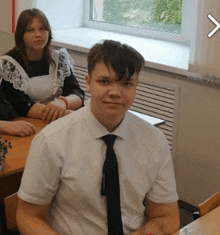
(110, 99)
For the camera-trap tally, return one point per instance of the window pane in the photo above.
(160, 15)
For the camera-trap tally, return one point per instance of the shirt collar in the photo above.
(98, 130)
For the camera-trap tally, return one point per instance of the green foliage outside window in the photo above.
(167, 11)
(144, 13)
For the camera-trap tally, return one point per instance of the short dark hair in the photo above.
(25, 18)
(124, 59)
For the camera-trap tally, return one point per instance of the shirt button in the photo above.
(29, 104)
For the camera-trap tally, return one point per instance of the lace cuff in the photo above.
(11, 74)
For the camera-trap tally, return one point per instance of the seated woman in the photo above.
(7, 113)
(37, 82)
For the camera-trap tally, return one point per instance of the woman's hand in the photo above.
(54, 110)
(20, 128)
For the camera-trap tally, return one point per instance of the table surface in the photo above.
(208, 224)
(16, 157)
(152, 120)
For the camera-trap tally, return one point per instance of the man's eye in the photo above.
(128, 84)
(104, 82)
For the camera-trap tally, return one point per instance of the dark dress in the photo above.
(6, 111)
(21, 101)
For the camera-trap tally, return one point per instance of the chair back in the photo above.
(210, 204)
(11, 203)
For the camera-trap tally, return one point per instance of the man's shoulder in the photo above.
(142, 129)
(65, 123)
(142, 124)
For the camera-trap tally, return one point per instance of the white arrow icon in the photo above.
(216, 28)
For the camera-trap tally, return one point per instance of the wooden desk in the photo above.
(208, 224)
(15, 159)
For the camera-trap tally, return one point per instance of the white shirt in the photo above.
(65, 166)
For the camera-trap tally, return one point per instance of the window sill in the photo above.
(161, 55)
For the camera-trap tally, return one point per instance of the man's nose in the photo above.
(116, 89)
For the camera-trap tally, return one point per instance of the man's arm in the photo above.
(163, 219)
(31, 219)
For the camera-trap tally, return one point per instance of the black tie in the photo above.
(110, 188)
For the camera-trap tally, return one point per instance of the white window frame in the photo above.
(188, 25)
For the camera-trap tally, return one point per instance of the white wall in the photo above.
(5, 16)
(54, 9)
(6, 36)
(6, 42)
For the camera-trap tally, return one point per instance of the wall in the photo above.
(6, 36)
(197, 160)
(6, 42)
(5, 16)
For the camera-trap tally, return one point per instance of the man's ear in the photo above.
(88, 80)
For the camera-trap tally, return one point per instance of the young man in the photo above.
(64, 185)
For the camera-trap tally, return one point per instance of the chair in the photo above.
(210, 204)
(11, 203)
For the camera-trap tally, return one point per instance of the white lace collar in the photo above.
(11, 70)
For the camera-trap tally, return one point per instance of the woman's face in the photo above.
(35, 37)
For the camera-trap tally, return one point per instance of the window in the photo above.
(160, 15)
(145, 18)
(170, 20)
(80, 15)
